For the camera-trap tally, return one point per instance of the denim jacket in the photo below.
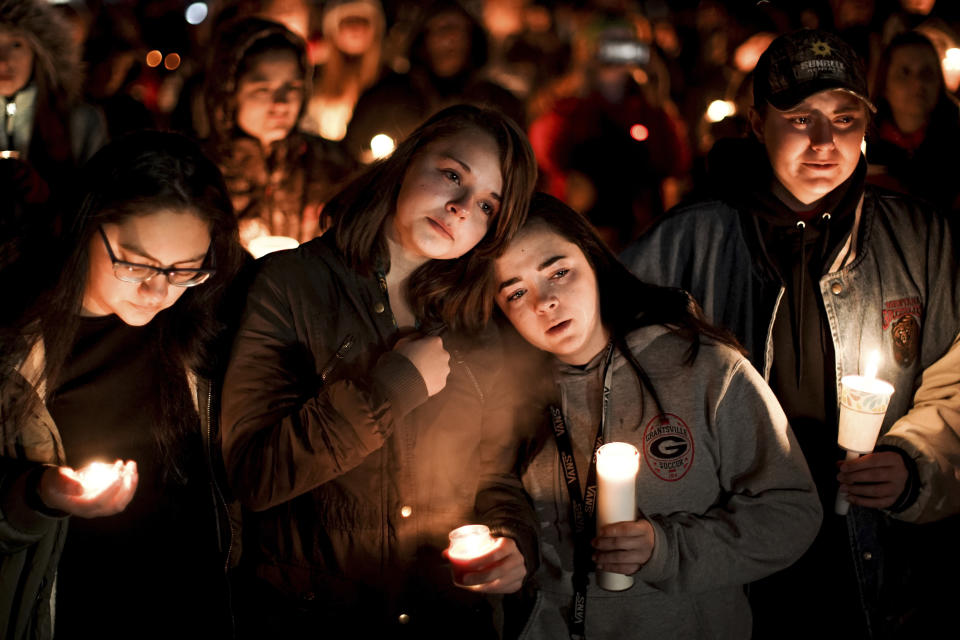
(891, 286)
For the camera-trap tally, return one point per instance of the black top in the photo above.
(146, 570)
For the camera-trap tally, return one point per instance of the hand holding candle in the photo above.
(624, 547)
(617, 466)
(483, 563)
(99, 489)
(875, 480)
(863, 403)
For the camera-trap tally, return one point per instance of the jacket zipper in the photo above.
(476, 385)
(213, 482)
(335, 359)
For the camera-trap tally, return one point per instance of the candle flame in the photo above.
(618, 460)
(873, 364)
(97, 476)
(470, 541)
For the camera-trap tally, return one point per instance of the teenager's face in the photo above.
(913, 81)
(16, 62)
(269, 96)
(548, 291)
(450, 193)
(164, 238)
(815, 146)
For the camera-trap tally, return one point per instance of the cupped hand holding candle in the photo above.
(97, 490)
(483, 563)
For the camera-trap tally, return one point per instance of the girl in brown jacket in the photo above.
(365, 416)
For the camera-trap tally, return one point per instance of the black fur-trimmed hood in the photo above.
(56, 67)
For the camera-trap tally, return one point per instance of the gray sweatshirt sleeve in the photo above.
(767, 513)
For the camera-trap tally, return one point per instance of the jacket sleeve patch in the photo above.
(902, 318)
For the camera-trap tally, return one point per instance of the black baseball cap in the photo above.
(797, 65)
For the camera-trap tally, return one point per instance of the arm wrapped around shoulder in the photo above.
(768, 512)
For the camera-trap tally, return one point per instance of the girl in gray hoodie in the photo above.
(724, 495)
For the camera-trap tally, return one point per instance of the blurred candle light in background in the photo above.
(639, 132)
(262, 245)
(951, 68)
(720, 109)
(196, 12)
(381, 146)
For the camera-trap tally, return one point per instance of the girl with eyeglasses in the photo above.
(106, 363)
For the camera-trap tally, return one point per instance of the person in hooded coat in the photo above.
(45, 130)
(278, 178)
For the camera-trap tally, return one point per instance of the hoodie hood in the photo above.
(229, 50)
(56, 65)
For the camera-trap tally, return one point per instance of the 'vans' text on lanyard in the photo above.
(582, 509)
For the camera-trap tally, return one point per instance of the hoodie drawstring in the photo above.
(824, 242)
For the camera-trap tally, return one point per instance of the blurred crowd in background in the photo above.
(622, 100)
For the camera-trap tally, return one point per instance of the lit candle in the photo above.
(97, 476)
(468, 543)
(863, 403)
(617, 466)
(262, 245)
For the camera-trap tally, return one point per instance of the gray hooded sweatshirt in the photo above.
(722, 480)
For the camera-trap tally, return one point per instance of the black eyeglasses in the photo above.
(133, 272)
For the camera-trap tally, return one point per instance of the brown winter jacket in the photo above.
(352, 477)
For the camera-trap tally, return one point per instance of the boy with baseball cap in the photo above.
(814, 270)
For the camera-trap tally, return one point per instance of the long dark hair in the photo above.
(133, 176)
(626, 302)
(436, 289)
(946, 108)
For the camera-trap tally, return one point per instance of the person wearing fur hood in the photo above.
(278, 177)
(44, 124)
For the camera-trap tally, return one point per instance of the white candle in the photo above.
(262, 245)
(468, 543)
(863, 404)
(617, 466)
(97, 476)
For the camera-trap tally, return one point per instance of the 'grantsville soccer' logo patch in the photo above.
(668, 447)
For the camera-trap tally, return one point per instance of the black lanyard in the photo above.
(582, 509)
